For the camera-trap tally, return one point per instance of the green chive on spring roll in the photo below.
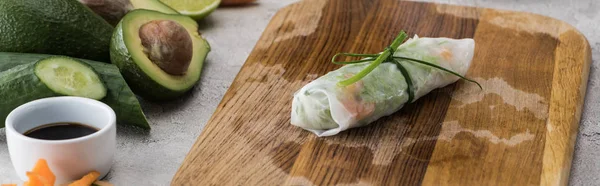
(326, 108)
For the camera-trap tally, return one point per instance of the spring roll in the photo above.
(325, 108)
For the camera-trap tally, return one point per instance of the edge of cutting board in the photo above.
(573, 55)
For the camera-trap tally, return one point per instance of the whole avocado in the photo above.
(62, 27)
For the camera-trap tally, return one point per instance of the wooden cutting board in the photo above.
(519, 130)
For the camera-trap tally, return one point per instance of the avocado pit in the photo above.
(168, 45)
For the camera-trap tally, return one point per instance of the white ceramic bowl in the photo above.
(68, 159)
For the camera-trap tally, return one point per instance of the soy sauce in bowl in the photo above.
(60, 131)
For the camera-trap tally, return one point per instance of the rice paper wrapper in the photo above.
(326, 109)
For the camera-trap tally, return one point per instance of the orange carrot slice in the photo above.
(9, 184)
(45, 174)
(34, 180)
(87, 180)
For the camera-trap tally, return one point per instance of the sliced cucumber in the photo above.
(55, 76)
(67, 76)
(119, 96)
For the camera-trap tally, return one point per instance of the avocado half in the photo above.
(113, 10)
(157, 64)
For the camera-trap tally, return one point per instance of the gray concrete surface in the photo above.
(152, 158)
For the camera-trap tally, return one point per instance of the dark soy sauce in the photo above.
(60, 131)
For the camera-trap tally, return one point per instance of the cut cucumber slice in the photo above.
(67, 76)
(13, 80)
(30, 81)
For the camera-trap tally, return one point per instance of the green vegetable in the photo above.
(437, 67)
(168, 62)
(409, 83)
(70, 77)
(53, 76)
(194, 8)
(119, 97)
(113, 10)
(387, 57)
(378, 60)
(62, 27)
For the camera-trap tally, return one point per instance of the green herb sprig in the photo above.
(387, 57)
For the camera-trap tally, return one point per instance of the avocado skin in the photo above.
(61, 27)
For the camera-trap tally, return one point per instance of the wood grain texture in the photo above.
(519, 130)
